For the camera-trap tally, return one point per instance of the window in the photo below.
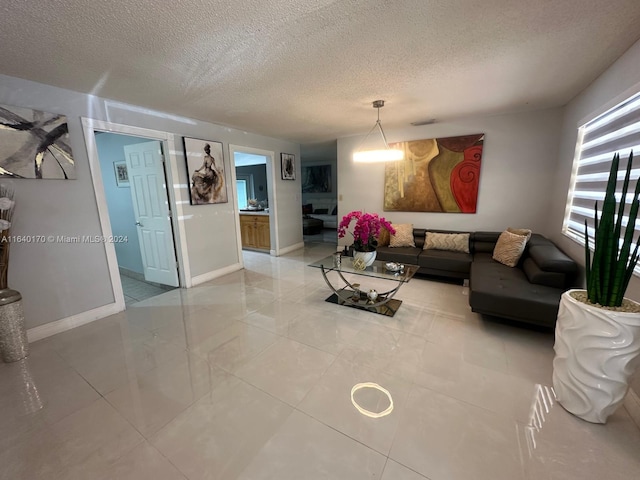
(242, 194)
(617, 130)
(244, 187)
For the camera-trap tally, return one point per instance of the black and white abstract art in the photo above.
(34, 144)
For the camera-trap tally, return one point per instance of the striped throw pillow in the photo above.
(509, 248)
(453, 242)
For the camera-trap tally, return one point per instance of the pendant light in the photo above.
(384, 153)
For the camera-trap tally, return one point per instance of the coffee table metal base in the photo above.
(388, 308)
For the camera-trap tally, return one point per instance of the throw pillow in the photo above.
(321, 211)
(520, 231)
(335, 210)
(509, 248)
(403, 236)
(383, 237)
(308, 208)
(453, 242)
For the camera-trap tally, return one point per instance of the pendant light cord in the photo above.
(379, 126)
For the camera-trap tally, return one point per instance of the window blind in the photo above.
(615, 131)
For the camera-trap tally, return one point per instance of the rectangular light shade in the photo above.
(372, 156)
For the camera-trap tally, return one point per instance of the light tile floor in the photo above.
(137, 290)
(250, 376)
(327, 235)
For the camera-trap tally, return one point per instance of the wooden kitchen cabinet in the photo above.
(255, 233)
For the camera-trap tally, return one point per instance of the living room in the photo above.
(526, 172)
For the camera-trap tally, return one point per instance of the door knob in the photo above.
(138, 224)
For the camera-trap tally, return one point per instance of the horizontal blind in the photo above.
(615, 131)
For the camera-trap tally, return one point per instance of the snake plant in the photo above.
(610, 267)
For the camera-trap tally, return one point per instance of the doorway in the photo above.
(254, 198)
(137, 200)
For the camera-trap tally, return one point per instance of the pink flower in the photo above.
(366, 230)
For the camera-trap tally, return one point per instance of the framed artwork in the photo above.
(205, 170)
(122, 174)
(436, 175)
(316, 179)
(288, 162)
(34, 144)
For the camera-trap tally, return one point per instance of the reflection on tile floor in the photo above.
(327, 235)
(249, 377)
(137, 290)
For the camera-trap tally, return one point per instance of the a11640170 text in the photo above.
(64, 239)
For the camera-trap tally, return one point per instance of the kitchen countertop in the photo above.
(254, 212)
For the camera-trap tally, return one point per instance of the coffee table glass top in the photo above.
(377, 270)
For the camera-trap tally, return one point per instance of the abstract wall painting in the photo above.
(436, 175)
(288, 166)
(316, 179)
(122, 174)
(34, 144)
(205, 169)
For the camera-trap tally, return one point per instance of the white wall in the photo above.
(518, 164)
(111, 149)
(618, 82)
(59, 280)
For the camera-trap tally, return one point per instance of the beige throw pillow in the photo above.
(403, 236)
(509, 248)
(520, 231)
(383, 237)
(453, 242)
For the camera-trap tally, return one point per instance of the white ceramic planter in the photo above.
(367, 257)
(597, 351)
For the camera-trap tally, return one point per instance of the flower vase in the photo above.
(14, 345)
(597, 352)
(367, 257)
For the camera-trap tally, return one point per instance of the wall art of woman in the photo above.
(207, 182)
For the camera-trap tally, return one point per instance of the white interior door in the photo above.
(151, 208)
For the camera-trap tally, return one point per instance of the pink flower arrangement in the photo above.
(366, 231)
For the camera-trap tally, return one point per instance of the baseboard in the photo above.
(64, 324)
(632, 404)
(288, 249)
(205, 277)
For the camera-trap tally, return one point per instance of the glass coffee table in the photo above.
(354, 295)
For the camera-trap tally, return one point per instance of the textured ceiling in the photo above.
(307, 71)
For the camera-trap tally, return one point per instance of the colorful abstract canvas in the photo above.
(436, 175)
(34, 144)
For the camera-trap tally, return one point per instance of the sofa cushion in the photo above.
(484, 242)
(509, 248)
(407, 255)
(419, 236)
(551, 259)
(453, 242)
(321, 211)
(496, 289)
(335, 210)
(445, 260)
(403, 236)
(540, 277)
(308, 208)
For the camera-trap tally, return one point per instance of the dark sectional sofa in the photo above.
(529, 292)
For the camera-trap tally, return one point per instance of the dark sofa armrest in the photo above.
(547, 265)
(551, 259)
(540, 277)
